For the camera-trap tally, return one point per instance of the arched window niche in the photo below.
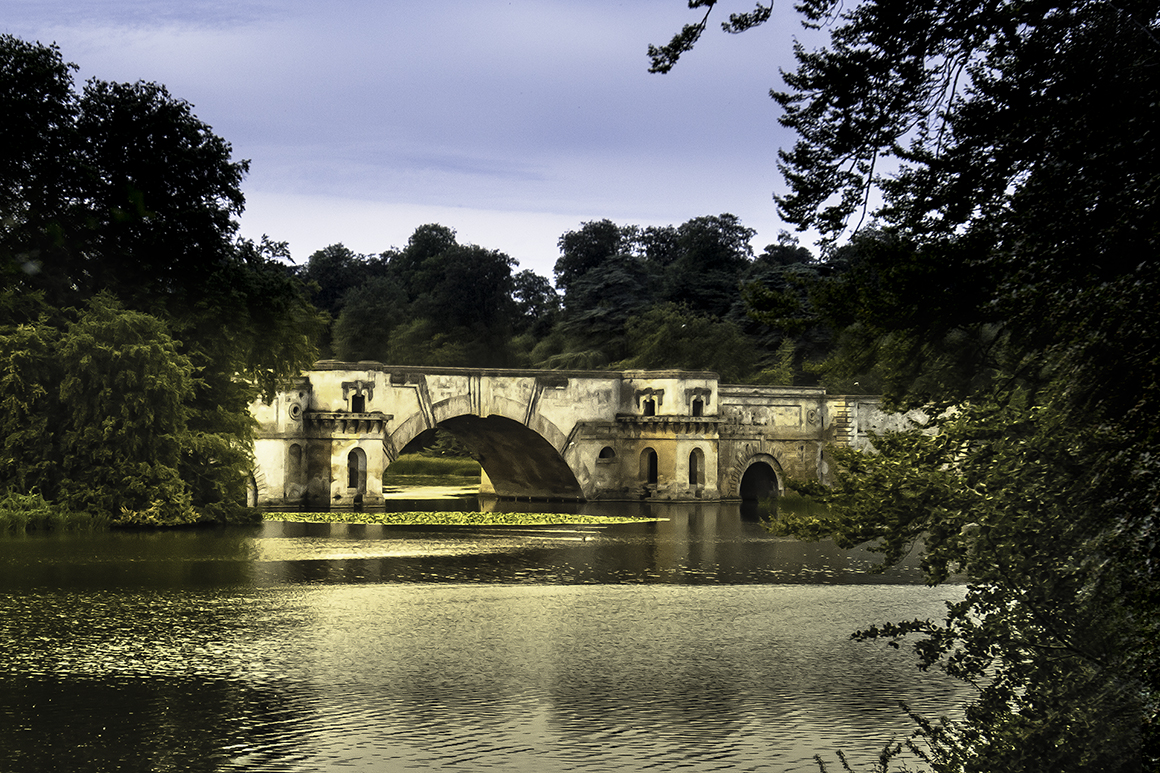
(607, 455)
(698, 408)
(358, 404)
(648, 467)
(696, 467)
(356, 470)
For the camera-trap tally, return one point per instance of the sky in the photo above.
(510, 122)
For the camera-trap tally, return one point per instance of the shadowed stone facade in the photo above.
(671, 435)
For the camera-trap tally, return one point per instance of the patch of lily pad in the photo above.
(453, 518)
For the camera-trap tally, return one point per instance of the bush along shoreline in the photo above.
(24, 512)
(422, 464)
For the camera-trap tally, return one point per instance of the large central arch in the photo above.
(518, 461)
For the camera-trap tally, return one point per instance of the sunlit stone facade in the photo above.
(669, 435)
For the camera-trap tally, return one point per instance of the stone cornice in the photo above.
(344, 423)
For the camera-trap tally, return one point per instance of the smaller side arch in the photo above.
(256, 485)
(757, 477)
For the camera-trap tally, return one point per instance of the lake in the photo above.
(698, 643)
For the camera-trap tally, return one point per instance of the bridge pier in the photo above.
(325, 440)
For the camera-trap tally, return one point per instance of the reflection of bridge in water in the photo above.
(540, 434)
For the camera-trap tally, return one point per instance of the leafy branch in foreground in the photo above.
(1010, 287)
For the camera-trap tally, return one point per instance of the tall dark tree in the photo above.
(711, 254)
(590, 247)
(332, 272)
(537, 304)
(450, 303)
(38, 176)
(1013, 145)
(370, 313)
(121, 190)
(427, 242)
(671, 336)
(600, 304)
(774, 308)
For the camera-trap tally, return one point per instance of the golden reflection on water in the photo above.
(287, 542)
(700, 642)
(292, 549)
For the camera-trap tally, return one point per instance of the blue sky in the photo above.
(511, 122)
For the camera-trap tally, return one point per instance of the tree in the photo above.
(601, 302)
(775, 310)
(673, 336)
(120, 190)
(711, 254)
(537, 304)
(610, 273)
(332, 272)
(1006, 290)
(465, 292)
(590, 247)
(28, 409)
(370, 314)
(97, 414)
(124, 397)
(36, 178)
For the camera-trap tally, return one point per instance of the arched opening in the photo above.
(356, 468)
(696, 467)
(358, 404)
(648, 467)
(517, 461)
(607, 454)
(698, 407)
(650, 407)
(759, 482)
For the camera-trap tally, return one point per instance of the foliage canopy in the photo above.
(1010, 286)
(118, 203)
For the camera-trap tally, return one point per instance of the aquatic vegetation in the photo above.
(462, 518)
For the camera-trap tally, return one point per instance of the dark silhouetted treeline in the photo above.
(692, 296)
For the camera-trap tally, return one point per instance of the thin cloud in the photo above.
(542, 111)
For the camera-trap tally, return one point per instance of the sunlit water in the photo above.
(698, 643)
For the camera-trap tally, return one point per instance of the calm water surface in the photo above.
(697, 643)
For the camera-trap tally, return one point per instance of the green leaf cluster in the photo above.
(434, 302)
(100, 418)
(135, 328)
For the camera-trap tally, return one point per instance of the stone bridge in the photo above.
(545, 434)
